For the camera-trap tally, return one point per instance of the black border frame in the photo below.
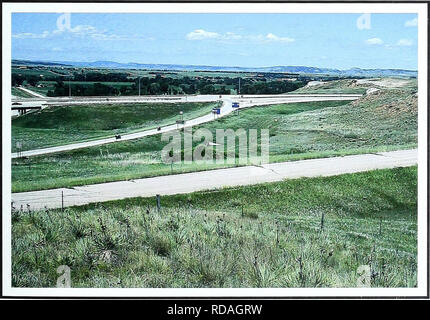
(234, 298)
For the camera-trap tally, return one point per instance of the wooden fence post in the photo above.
(158, 202)
(322, 221)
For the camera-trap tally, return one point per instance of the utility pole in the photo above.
(139, 86)
(70, 89)
(239, 86)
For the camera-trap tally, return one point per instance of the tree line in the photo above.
(103, 84)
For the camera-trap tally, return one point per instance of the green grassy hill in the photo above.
(386, 120)
(20, 93)
(297, 233)
(67, 124)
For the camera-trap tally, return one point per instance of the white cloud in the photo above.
(29, 35)
(412, 23)
(374, 41)
(232, 36)
(272, 37)
(81, 31)
(201, 34)
(404, 42)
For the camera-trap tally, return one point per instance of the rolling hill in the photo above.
(353, 72)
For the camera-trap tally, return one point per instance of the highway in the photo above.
(35, 94)
(213, 179)
(245, 102)
(88, 100)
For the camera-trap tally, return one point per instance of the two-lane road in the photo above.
(245, 102)
(213, 179)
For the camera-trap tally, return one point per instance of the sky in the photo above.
(246, 40)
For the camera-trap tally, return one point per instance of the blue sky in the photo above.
(247, 40)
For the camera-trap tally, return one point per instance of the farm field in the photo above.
(34, 72)
(313, 232)
(177, 74)
(385, 120)
(67, 124)
(43, 90)
(54, 81)
(181, 74)
(20, 93)
(50, 85)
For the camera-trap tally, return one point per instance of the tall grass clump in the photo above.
(298, 233)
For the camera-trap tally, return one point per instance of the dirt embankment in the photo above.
(385, 82)
(391, 102)
(371, 85)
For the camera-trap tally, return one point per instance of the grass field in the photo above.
(50, 85)
(20, 93)
(297, 233)
(67, 124)
(380, 122)
(66, 82)
(32, 72)
(43, 91)
(182, 74)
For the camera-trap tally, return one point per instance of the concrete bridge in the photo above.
(23, 109)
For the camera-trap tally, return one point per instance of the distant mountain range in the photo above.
(180, 67)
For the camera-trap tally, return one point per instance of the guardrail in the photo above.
(178, 97)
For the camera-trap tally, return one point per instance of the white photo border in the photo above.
(274, 293)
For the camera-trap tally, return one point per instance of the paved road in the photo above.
(35, 94)
(245, 102)
(59, 101)
(212, 179)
